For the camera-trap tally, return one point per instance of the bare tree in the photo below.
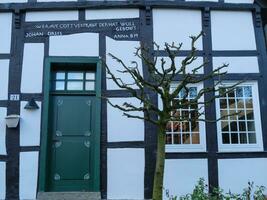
(160, 82)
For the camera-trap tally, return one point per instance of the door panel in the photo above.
(77, 112)
(66, 152)
(72, 134)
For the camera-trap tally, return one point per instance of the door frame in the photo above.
(43, 160)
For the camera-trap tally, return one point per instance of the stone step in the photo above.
(68, 196)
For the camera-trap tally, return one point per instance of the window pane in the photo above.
(242, 126)
(60, 75)
(233, 126)
(90, 76)
(241, 114)
(249, 103)
(177, 138)
(231, 94)
(234, 138)
(183, 93)
(75, 75)
(231, 103)
(194, 126)
(184, 104)
(185, 126)
(185, 114)
(60, 85)
(239, 92)
(224, 114)
(224, 126)
(233, 114)
(176, 103)
(225, 138)
(176, 114)
(251, 126)
(250, 114)
(240, 103)
(186, 138)
(252, 138)
(247, 91)
(90, 85)
(192, 92)
(194, 115)
(223, 103)
(74, 85)
(243, 138)
(195, 138)
(222, 92)
(194, 106)
(169, 127)
(169, 139)
(176, 126)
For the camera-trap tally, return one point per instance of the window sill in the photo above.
(185, 148)
(240, 148)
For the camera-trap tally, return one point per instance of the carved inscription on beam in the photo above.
(120, 29)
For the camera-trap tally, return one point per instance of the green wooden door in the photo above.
(72, 143)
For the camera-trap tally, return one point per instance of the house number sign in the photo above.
(118, 29)
(14, 97)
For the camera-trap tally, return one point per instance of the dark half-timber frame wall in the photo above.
(49, 61)
(146, 37)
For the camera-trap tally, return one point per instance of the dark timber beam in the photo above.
(261, 47)
(13, 107)
(33, 6)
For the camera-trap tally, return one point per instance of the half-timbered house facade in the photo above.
(70, 140)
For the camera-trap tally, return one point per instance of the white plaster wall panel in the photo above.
(181, 175)
(235, 27)
(13, 1)
(121, 128)
(5, 32)
(175, 25)
(124, 50)
(4, 69)
(30, 124)
(111, 14)
(204, 0)
(2, 180)
(54, 0)
(125, 173)
(82, 44)
(51, 16)
(237, 64)
(178, 62)
(32, 68)
(28, 173)
(3, 113)
(239, 1)
(234, 174)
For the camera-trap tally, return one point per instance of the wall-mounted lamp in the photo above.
(31, 105)
(12, 121)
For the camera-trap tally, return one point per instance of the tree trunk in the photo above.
(160, 163)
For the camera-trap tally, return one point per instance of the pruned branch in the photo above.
(161, 81)
(126, 108)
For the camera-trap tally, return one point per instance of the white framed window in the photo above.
(187, 135)
(239, 127)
